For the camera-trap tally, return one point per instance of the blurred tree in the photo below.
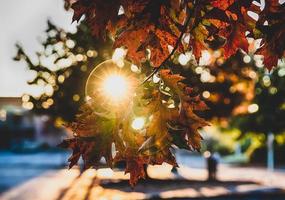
(267, 111)
(265, 115)
(62, 68)
(225, 85)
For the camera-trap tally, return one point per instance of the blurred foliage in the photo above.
(215, 145)
(266, 113)
(223, 142)
(225, 86)
(62, 68)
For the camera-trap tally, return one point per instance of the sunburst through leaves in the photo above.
(141, 121)
(153, 32)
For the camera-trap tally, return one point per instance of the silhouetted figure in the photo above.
(174, 170)
(212, 163)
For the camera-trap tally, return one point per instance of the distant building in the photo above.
(10, 101)
(21, 128)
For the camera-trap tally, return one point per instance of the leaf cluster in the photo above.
(150, 29)
(170, 111)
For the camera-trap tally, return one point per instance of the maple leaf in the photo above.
(273, 42)
(133, 40)
(92, 149)
(84, 125)
(158, 131)
(235, 39)
(159, 46)
(134, 165)
(95, 12)
(222, 4)
(157, 25)
(197, 40)
(92, 137)
(164, 155)
(187, 119)
(270, 59)
(142, 24)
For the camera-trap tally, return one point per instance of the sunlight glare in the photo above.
(115, 86)
(105, 173)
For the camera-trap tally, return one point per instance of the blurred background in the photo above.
(45, 61)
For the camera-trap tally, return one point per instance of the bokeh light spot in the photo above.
(252, 108)
(138, 123)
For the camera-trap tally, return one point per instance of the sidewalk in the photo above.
(104, 184)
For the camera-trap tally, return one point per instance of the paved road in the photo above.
(105, 184)
(18, 168)
(62, 184)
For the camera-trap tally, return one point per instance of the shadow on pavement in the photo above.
(193, 189)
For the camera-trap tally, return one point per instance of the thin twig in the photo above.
(174, 48)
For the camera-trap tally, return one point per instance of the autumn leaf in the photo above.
(84, 125)
(153, 27)
(270, 59)
(133, 39)
(159, 46)
(95, 12)
(93, 136)
(197, 40)
(235, 39)
(134, 165)
(91, 149)
(222, 4)
(273, 43)
(187, 119)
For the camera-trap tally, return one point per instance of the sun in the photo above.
(111, 86)
(115, 87)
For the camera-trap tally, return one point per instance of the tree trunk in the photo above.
(270, 151)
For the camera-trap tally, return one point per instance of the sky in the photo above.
(24, 21)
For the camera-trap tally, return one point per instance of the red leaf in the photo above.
(270, 59)
(197, 40)
(91, 150)
(134, 165)
(235, 39)
(222, 4)
(187, 118)
(133, 40)
(159, 46)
